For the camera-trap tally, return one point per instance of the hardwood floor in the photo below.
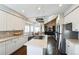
(21, 51)
(51, 48)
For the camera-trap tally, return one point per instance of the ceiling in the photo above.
(31, 10)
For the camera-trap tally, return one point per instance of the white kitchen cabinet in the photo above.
(19, 43)
(12, 44)
(9, 47)
(15, 23)
(2, 48)
(72, 47)
(34, 50)
(22, 40)
(19, 24)
(2, 21)
(69, 48)
(25, 38)
(35, 46)
(10, 22)
(23, 24)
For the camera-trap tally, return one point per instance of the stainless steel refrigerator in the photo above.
(64, 32)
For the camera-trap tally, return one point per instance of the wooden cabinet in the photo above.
(2, 48)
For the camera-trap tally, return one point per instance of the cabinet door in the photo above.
(2, 48)
(15, 44)
(2, 21)
(19, 43)
(10, 22)
(69, 48)
(76, 49)
(20, 24)
(21, 40)
(25, 38)
(10, 47)
(23, 24)
(16, 23)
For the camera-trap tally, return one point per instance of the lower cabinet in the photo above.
(72, 48)
(11, 45)
(69, 48)
(2, 48)
(19, 43)
(25, 38)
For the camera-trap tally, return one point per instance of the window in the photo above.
(27, 28)
(37, 29)
(31, 29)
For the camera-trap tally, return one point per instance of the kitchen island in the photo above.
(36, 46)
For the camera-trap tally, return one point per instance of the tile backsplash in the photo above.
(10, 33)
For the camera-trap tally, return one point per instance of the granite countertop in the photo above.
(10, 37)
(73, 41)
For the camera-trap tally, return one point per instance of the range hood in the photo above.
(40, 20)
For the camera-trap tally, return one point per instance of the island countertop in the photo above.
(38, 42)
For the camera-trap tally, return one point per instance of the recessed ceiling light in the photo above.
(60, 5)
(39, 8)
(22, 10)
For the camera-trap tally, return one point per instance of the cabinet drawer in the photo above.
(2, 48)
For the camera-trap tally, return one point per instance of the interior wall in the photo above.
(50, 24)
(73, 18)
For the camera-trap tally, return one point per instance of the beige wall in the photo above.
(51, 23)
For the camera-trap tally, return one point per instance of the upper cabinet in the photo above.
(74, 18)
(10, 22)
(2, 21)
(20, 24)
